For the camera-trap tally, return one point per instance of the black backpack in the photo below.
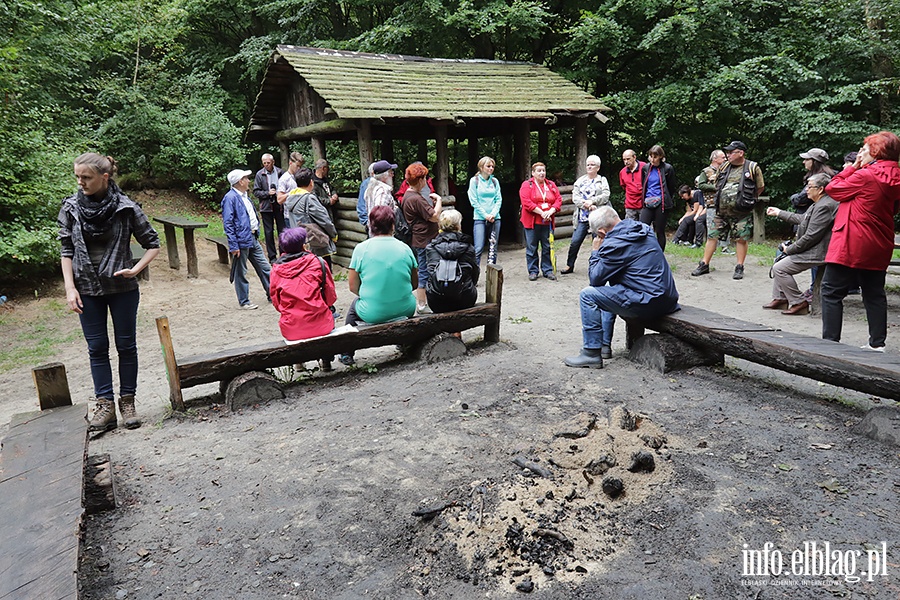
(447, 275)
(402, 230)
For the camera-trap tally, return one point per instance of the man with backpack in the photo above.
(739, 183)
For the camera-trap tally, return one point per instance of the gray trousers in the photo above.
(784, 286)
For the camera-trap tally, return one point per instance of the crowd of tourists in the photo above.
(416, 258)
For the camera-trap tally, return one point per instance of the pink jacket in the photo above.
(530, 197)
(296, 287)
(863, 232)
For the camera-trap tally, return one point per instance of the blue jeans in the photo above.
(578, 236)
(423, 267)
(123, 309)
(599, 307)
(540, 234)
(481, 232)
(260, 264)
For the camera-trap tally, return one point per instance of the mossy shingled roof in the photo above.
(371, 86)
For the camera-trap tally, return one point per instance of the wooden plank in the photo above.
(316, 129)
(168, 350)
(41, 482)
(181, 222)
(52, 385)
(221, 243)
(227, 364)
(493, 292)
(830, 362)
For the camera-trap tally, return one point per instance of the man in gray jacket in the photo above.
(813, 236)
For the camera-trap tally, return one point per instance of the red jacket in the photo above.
(868, 198)
(530, 196)
(631, 183)
(296, 289)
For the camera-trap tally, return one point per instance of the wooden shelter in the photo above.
(320, 95)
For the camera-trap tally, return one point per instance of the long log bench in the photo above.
(822, 360)
(41, 487)
(224, 365)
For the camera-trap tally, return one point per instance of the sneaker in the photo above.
(423, 309)
(249, 307)
(868, 347)
(550, 276)
(702, 269)
(738, 272)
(532, 276)
(727, 250)
(347, 359)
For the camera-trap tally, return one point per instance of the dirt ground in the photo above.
(313, 496)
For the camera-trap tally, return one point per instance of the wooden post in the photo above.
(364, 141)
(473, 156)
(172, 246)
(318, 148)
(580, 147)
(543, 145)
(52, 385)
(422, 151)
(285, 153)
(759, 219)
(442, 168)
(387, 150)
(191, 253)
(523, 167)
(165, 340)
(493, 294)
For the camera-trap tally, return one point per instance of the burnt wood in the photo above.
(822, 360)
(41, 484)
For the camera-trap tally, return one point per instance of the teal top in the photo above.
(484, 196)
(384, 265)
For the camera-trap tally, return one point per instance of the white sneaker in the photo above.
(423, 309)
(868, 347)
(249, 307)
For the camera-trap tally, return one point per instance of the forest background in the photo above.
(167, 86)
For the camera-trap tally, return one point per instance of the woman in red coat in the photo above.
(540, 200)
(302, 289)
(862, 240)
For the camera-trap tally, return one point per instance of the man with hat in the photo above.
(265, 187)
(242, 230)
(378, 192)
(739, 183)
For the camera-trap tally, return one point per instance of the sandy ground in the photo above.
(312, 497)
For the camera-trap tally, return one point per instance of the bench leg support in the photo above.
(172, 247)
(165, 340)
(493, 293)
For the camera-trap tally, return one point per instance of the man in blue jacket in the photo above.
(242, 230)
(627, 257)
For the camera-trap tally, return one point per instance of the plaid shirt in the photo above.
(99, 281)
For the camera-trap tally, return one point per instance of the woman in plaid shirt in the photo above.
(95, 229)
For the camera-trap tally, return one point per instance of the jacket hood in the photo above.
(886, 172)
(451, 245)
(632, 231)
(291, 266)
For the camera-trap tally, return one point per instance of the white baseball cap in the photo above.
(237, 175)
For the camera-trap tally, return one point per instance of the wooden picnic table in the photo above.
(169, 224)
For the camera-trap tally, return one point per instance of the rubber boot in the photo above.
(104, 417)
(588, 358)
(129, 414)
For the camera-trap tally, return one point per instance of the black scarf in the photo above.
(96, 214)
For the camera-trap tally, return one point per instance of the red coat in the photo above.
(530, 197)
(868, 198)
(631, 183)
(296, 290)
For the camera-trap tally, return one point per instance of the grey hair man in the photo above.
(628, 276)
(265, 188)
(361, 210)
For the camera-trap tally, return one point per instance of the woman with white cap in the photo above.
(815, 161)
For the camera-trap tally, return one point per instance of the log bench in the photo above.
(221, 243)
(712, 334)
(224, 365)
(41, 487)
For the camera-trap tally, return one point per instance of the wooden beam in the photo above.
(52, 385)
(473, 155)
(322, 129)
(165, 340)
(493, 293)
(580, 147)
(318, 149)
(543, 145)
(522, 159)
(364, 141)
(227, 364)
(442, 168)
(285, 154)
(387, 150)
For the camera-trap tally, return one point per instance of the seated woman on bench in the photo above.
(383, 273)
(452, 270)
(302, 289)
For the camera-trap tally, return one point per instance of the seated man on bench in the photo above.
(383, 273)
(627, 256)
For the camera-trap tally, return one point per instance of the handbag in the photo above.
(315, 235)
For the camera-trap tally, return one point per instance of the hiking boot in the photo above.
(129, 414)
(605, 352)
(104, 417)
(532, 276)
(588, 358)
(550, 276)
(702, 269)
(738, 272)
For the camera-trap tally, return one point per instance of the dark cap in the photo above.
(382, 166)
(817, 154)
(735, 145)
(850, 157)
